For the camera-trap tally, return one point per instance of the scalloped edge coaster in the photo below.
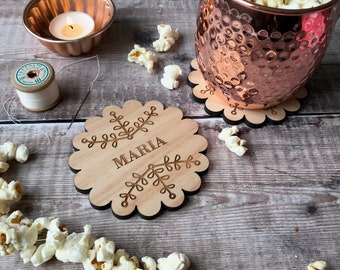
(215, 104)
(138, 158)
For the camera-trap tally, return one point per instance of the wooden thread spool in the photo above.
(36, 86)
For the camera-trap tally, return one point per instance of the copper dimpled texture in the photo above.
(39, 13)
(255, 56)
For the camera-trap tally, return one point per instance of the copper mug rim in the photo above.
(287, 12)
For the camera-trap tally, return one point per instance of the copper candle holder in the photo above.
(257, 57)
(39, 13)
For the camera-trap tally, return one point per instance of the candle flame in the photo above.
(69, 20)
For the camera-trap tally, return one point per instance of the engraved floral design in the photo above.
(138, 158)
(154, 173)
(231, 111)
(126, 130)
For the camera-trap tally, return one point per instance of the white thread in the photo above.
(88, 89)
(42, 100)
(79, 61)
(7, 108)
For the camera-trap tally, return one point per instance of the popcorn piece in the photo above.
(236, 145)
(227, 132)
(171, 73)
(317, 265)
(141, 56)
(9, 149)
(167, 38)
(9, 194)
(149, 263)
(76, 246)
(21, 154)
(101, 256)
(169, 83)
(125, 264)
(55, 238)
(105, 249)
(3, 166)
(175, 261)
(91, 262)
(120, 253)
(233, 142)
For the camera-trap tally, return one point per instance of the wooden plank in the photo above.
(135, 23)
(277, 205)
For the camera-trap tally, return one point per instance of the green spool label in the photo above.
(32, 74)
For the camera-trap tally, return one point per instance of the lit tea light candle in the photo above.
(71, 25)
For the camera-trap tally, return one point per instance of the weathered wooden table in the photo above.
(277, 207)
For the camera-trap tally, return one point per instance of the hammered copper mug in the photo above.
(256, 56)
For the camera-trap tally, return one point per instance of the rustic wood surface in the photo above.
(277, 207)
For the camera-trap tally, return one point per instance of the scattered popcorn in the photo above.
(317, 265)
(233, 142)
(141, 56)
(175, 261)
(290, 4)
(167, 38)
(170, 76)
(18, 234)
(10, 151)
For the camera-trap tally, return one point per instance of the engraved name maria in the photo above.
(137, 152)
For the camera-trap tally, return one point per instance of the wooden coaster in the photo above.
(138, 158)
(216, 105)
